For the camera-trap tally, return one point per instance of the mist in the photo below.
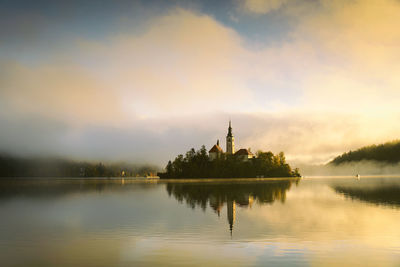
(365, 167)
(146, 89)
(305, 138)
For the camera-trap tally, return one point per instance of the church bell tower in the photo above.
(230, 141)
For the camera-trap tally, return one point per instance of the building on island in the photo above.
(244, 154)
(230, 141)
(216, 151)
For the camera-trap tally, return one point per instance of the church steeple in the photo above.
(230, 140)
(230, 129)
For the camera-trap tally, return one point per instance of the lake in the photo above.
(98, 222)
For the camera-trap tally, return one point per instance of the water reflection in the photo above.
(141, 223)
(378, 191)
(52, 188)
(216, 195)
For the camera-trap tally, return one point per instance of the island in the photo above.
(230, 164)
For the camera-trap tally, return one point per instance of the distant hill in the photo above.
(388, 152)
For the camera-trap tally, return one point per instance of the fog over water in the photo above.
(304, 140)
(364, 167)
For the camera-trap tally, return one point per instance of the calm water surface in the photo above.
(326, 221)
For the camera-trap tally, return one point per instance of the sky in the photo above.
(143, 81)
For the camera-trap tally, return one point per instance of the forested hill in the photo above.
(387, 152)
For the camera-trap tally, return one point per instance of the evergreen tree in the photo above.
(197, 164)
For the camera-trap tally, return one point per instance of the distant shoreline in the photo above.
(141, 179)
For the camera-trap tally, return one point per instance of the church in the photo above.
(216, 151)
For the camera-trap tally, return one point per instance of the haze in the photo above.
(146, 80)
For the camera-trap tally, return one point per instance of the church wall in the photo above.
(213, 155)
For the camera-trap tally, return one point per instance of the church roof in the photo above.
(243, 151)
(215, 148)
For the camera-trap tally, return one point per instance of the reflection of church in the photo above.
(217, 152)
(244, 201)
(234, 195)
(231, 212)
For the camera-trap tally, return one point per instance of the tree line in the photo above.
(197, 164)
(51, 167)
(388, 152)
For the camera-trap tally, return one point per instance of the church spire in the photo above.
(230, 140)
(230, 129)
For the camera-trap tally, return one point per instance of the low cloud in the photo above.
(364, 167)
(305, 138)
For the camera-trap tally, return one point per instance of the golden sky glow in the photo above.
(321, 73)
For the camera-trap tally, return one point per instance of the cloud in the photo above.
(165, 68)
(58, 90)
(310, 140)
(173, 84)
(262, 6)
(356, 44)
(162, 71)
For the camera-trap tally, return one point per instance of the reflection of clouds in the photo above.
(172, 252)
(320, 253)
(231, 193)
(317, 213)
(137, 226)
(160, 251)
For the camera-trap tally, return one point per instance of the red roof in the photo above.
(243, 151)
(215, 148)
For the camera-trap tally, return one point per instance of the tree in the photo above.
(197, 164)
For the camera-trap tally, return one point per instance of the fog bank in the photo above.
(351, 168)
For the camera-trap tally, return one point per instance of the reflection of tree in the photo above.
(52, 188)
(378, 194)
(217, 194)
(57, 167)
